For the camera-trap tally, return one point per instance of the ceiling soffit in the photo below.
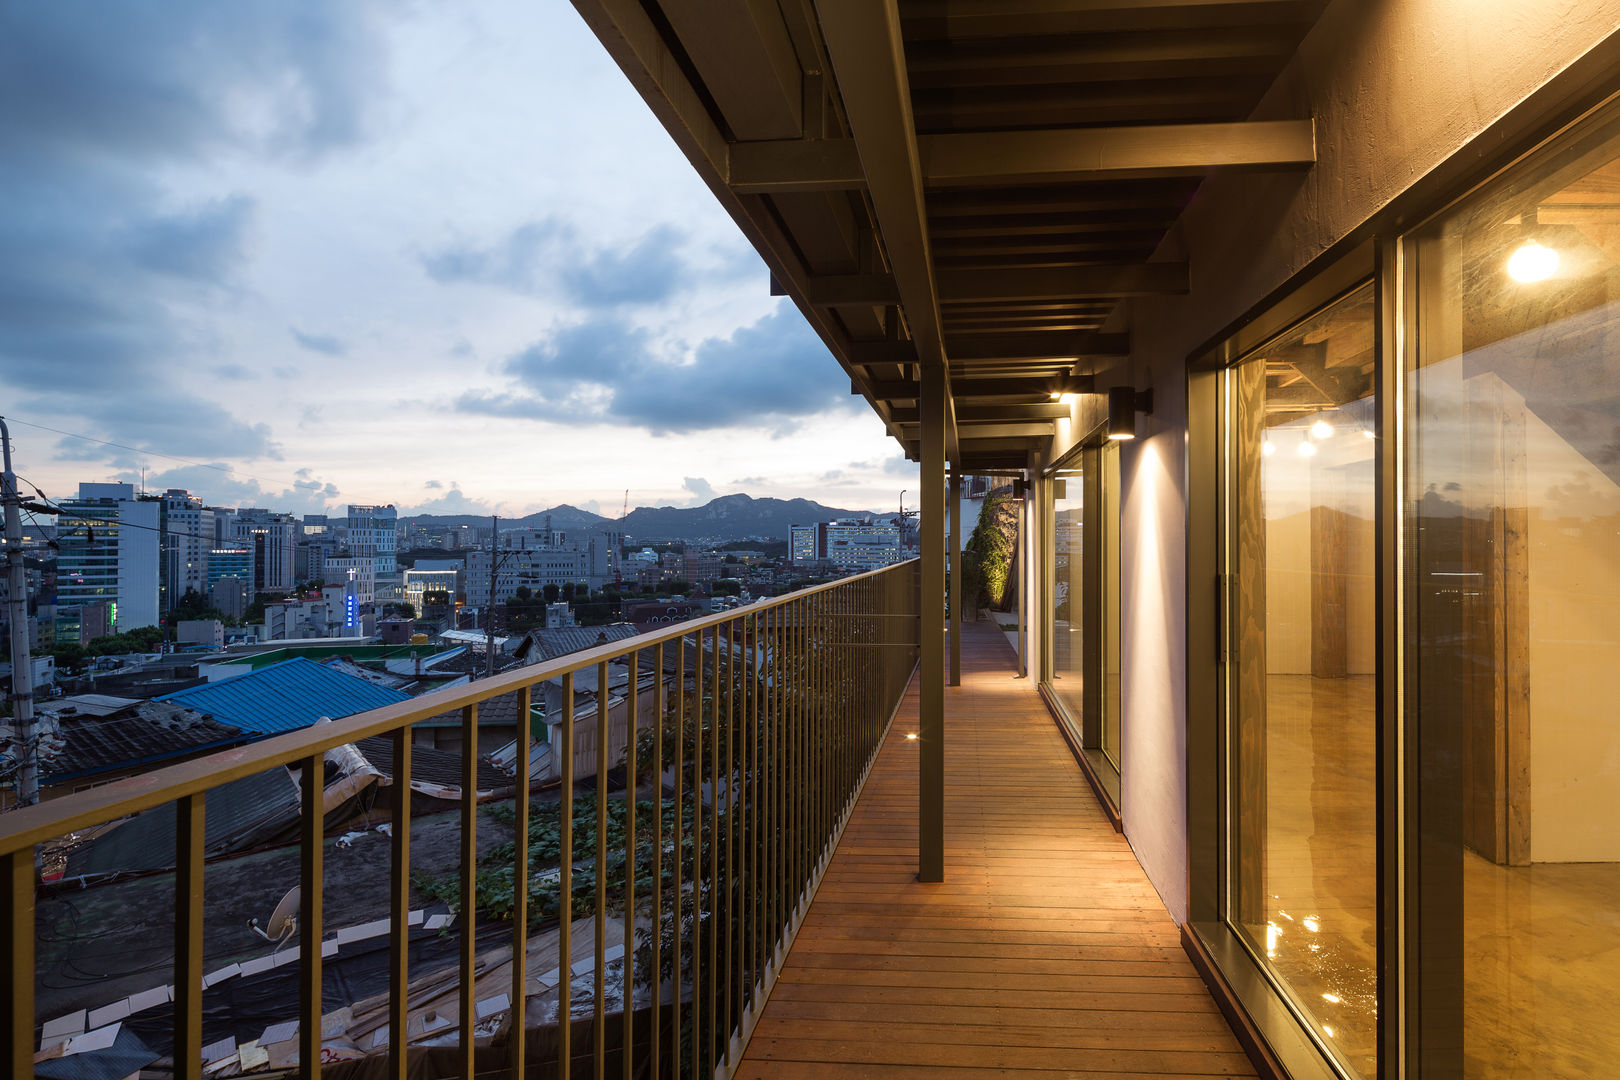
(975, 185)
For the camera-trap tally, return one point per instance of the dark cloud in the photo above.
(765, 374)
(96, 103)
(325, 344)
(646, 273)
(152, 418)
(236, 372)
(148, 80)
(433, 484)
(207, 244)
(550, 257)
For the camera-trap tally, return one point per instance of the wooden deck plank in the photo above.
(1045, 952)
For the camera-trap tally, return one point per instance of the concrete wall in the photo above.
(1397, 88)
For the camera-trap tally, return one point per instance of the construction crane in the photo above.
(618, 556)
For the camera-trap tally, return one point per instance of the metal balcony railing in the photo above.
(764, 722)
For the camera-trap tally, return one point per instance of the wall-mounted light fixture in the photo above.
(1124, 402)
(1532, 263)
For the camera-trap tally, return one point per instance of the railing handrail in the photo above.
(28, 826)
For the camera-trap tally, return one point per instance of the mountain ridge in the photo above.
(725, 517)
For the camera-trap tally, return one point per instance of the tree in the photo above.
(568, 590)
(725, 587)
(194, 605)
(550, 592)
(70, 656)
(523, 593)
(677, 587)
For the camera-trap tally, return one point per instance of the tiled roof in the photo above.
(497, 711)
(286, 696)
(569, 639)
(144, 732)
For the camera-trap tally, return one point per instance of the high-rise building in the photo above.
(109, 553)
(372, 532)
(188, 538)
(849, 545)
(273, 540)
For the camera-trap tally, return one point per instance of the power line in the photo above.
(227, 469)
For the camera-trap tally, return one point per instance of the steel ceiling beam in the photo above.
(1074, 282)
(869, 64)
(989, 158)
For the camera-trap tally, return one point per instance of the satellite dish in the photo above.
(283, 922)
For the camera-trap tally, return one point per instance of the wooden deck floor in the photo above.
(1045, 952)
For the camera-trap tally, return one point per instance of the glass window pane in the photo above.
(1068, 596)
(1302, 679)
(1108, 599)
(1513, 556)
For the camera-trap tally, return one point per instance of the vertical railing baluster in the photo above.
(656, 1032)
(680, 849)
(750, 867)
(17, 993)
(632, 787)
(311, 879)
(728, 892)
(399, 907)
(714, 855)
(599, 983)
(188, 935)
(698, 712)
(467, 949)
(565, 889)
(517, 1017)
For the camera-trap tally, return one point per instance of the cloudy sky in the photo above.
(437, 254)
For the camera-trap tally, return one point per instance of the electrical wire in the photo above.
(153, 453)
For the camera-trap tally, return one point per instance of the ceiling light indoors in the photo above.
(1321, 430)
(1532, 263)
(1307, 448)
(1268, 448)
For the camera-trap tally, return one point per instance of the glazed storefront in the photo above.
(1403, 736)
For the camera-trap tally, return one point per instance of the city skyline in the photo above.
(361, 256)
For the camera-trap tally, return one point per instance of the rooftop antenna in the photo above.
(283, 922)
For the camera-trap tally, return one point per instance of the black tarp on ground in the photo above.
(243, 1006)
(128, 1053)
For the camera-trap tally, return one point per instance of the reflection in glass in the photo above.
(1302, 679)
(1513, 550)
(1068, 585)
(1085, 607)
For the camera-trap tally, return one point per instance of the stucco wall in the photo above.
(1397, 87)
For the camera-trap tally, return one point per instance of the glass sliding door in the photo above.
(1512, 551)
(1083, 607)
(1300, 708)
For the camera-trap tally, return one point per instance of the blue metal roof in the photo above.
(286, 696)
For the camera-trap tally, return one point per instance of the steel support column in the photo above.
(955, 549)
(931, 677)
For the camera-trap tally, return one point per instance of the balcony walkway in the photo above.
(1046, 951)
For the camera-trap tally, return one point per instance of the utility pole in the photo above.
(22, 666)
(489, 616)
(900, 542)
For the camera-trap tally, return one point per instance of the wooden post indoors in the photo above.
(955, 548)
(931, 545)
